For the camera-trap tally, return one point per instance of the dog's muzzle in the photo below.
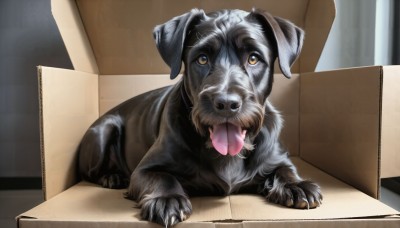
(227, 138)
(227, 109)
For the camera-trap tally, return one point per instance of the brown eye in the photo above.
(253, 59)
(202, 60)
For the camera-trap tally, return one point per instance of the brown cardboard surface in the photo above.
(73, 33)
(340, 201)
(87, 203)
(340, 124)
(390, 143)
(68, 105)
(120, 32)
(115, 89)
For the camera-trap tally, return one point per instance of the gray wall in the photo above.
(360, 36)
(28, 38)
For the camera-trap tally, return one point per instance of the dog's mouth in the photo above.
(227, 138)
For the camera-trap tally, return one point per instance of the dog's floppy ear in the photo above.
(288, 38)
(170, 38)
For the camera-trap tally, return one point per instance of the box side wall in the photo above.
(390, 143)
(74, 35)
(340, 124)
(68, 105)
(120, 32)
(114, 89)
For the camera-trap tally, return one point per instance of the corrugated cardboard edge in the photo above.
(42, 147)
(388, 222)
(69, 23)
(378, 184)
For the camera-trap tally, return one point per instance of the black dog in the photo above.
(214, 132)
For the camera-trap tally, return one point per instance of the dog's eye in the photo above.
(202, 60)
(253, 59)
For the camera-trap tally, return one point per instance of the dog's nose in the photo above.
(227, 104)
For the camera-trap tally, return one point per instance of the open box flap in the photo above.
(68, 105)
(318, 23)
(73, 33)
(91, 203)
(120, 32)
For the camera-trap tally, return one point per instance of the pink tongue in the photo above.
(227, 138)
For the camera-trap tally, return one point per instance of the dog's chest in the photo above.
(217, 176)
(231, 170)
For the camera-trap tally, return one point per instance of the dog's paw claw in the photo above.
(166, 211)
(183, 216)
(168, 222)
(301, 195)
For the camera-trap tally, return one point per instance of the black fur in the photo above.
(158, 144)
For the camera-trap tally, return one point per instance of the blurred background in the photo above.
(365, 32)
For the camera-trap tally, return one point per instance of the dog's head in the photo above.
(229, 58)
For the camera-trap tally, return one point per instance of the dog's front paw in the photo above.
(301, 195)
(166, 211)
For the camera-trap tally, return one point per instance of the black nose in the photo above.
(227, 104)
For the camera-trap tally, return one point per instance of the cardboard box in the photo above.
(340, 126)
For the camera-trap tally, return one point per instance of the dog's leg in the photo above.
(99, 154)
(288, 189)
(160, 196)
